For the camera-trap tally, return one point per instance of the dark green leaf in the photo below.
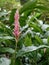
(11, 18)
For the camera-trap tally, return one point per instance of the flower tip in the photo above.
(16, 15)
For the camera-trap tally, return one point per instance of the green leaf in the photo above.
(4, 61)
(5, 50)
(38, 39)
(37, 15)
(30, 49)
(27, 41)
(28, 6)
(4, 13)
(26, 10)
(6, 37)
(42, 7)
(18, 62)
(6, 29)
(36, 27)
(11, 18)
(48, 40)
(24, 17)
(47, 29)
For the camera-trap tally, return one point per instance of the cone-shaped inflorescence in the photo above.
(16, 25)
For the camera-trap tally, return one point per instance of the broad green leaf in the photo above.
(4, 50)
(26, 10)
(6, 37)
(30, 49)
(28, 6)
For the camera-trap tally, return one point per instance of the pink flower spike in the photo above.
(16, 25)
(16, 15)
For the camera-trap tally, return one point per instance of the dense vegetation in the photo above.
(32, 46)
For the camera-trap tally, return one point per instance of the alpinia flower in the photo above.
(16, 24)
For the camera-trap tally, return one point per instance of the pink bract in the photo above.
(16, 25)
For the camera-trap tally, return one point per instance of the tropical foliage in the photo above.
(32, 46)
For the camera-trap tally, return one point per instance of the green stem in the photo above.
(15, 51)
(14, 55)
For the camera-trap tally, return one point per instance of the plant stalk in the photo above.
(14, 55)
